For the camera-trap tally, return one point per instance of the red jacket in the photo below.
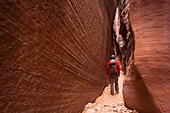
(117, 64)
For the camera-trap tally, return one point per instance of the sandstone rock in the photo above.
(147, 22)
(90, 110)
(108, 108)
(53, 53)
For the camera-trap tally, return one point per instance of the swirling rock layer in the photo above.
(53, 53)
(150, 23)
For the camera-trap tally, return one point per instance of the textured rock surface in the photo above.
(136, 95)
(107, 108)
(150, 22)
(107, 103)
(53, 54)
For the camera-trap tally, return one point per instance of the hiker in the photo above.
(113, 70)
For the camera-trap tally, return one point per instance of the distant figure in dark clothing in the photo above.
(113, 70)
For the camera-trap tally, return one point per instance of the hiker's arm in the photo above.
(118, 68)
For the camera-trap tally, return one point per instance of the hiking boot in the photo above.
(117, 91)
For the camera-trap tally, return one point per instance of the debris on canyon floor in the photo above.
(107, 103)
(108, 108)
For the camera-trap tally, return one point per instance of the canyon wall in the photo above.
(150, 23)
(53, 54)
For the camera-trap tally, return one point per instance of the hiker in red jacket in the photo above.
(113, 70)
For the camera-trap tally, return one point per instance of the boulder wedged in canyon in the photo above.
(53, 54)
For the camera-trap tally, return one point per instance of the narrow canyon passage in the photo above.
(107, 103)
(107, 98)
(53, 55)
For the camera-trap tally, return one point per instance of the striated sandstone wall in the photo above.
(53, 54)
(150, 23)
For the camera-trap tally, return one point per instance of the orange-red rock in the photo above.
(53, 54)
(150, 23)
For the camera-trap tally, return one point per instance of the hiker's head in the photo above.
(112, 56)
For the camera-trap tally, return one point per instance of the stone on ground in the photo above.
(107, 103)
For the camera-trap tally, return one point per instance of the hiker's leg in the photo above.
(111, 85)
(113, 78)
(116, 84)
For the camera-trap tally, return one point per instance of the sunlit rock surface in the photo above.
(53, 54)
(107, 108)
(150, 23)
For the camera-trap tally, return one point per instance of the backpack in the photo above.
(113, 69)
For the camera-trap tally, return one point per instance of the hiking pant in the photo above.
(113, 81)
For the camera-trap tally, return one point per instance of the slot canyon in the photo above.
(53, 54)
